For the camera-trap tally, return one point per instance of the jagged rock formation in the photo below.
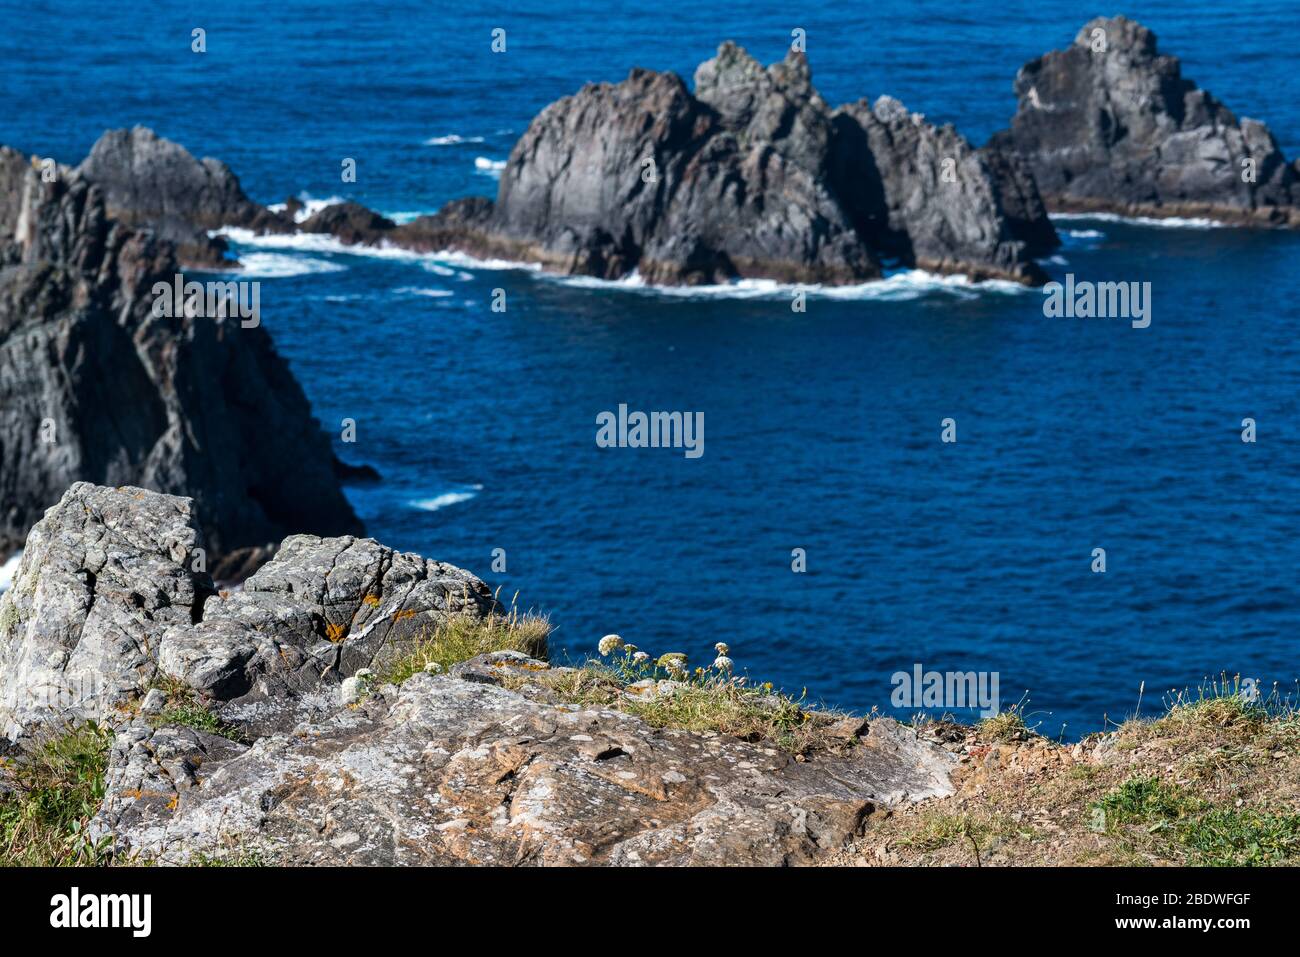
(932, 199)
(108, 595)
(1119, 129)
(485, 765)
(752, 176)
(93, 386)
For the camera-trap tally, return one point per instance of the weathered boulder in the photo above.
(104, 574)
(319, 611)
(452, 771)
(1110, 124)
(111, 594)
(152, 182)
(94, 386)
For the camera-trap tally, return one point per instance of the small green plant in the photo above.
(191, 714)
(702, 699)
(56, 787)
(1207, 835)
(1009, 725)
(1144, 800)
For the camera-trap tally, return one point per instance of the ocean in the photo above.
(822, 429)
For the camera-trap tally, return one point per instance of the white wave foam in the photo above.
(8, 570)
(900, 285)
(310, 206)
(325, 243)
(406, 215)
(418, 291)
(282, 265)
(489, 167)
(1084, 233)
(452, 139)
(1171, 222)
(445, 499)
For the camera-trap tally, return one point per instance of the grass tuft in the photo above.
(54, 790)
(463, 637)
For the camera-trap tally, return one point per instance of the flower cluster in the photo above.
(632, 664)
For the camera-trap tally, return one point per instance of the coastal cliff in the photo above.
(95, 386)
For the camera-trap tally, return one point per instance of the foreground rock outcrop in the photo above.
(94, 386)
(109, 596)
(485, 765)
(1111, 125)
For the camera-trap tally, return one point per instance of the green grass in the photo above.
(1009, 725)
(700, 701)
(191, 714)
(463, 637)
(1206, 834)
(57, 787)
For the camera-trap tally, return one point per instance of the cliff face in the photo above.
(93, 386)
(1120, 129)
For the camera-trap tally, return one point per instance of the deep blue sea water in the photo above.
(822, 429)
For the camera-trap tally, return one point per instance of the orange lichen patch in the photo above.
(138, 794)
(371, 600)
(171, 805)
(404, 614)
(335, 632)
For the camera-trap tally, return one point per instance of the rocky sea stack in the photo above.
(1111, 125)
(750, 176)
(94, 386)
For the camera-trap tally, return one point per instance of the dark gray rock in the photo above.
(1121, 130)
(936, 201)
(751, 176)
(152, 182)
(94, 387)
(754, 176)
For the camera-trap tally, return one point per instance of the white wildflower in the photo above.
(723, 663)
(640, 657)
(433, 668)
(721, 648)
(610, 644)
